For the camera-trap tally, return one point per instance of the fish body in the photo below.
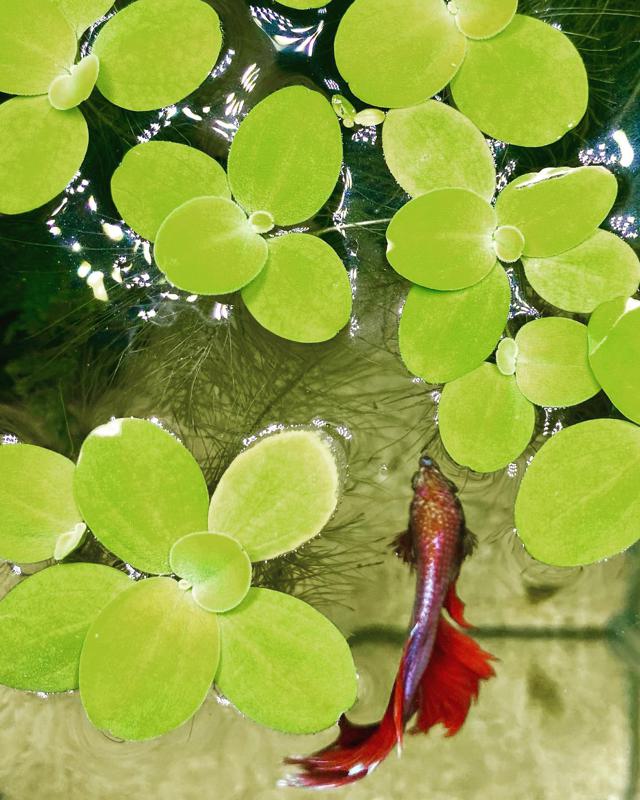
(441, 667)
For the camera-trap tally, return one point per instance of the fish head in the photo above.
(431, 478)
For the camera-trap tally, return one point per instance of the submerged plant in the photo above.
(144, 654)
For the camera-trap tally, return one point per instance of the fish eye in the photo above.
(425, 461)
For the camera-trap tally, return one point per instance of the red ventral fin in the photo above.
(403, 546)
(452, 680)
(455, 607)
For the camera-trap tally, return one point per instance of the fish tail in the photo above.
(452, 680)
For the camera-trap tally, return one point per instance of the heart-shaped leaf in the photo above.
(444, 335)
(155, 178)
(579, 502)
(36, 502)
(286, 156)
(277, 494)
(148, 661)
(208, 246)
(149, 77)
(284, 665)
(485, 420)
(303, 294)
(44, 620)
(41, 149)
(83, 13)
(486, 19)
(443, 239)
(139, 491)
(68, 91)
(433, 146)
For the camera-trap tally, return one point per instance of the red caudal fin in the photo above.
(452, 680)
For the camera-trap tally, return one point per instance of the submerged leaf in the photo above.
(148, 661)
(143, 78)
(36, 502)
(443, 239)
(578, 502)
(527, 85)
(303, 294)
(485, 420)
(44, 620)
(433, 146)
(395, 53)
(486, 19)
(286, 156)
(140, 491)
(41, 149)
(444, 335)
(277, 494)
(284, 665)
(155, 178)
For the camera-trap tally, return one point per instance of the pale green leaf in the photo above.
(506, 356)
(614, 353)
(83, 13)
(482, 20)
(286, 156)
(69, 90)
(444, 335)
(44, 620)
(37, 43)
(140, 68)
(155, 178)
(216, 566)
(602, 268)
(303, 293)
(278, 493)
(139, 490)
(578, 501)
(433, 146)
(284, 665)
(395, 53)
(527, 85)
(304, 3)
(36, 502)
(443, 239)
(207, 246)
(41, 149)
(148, 661)
(509, 243)
(552, 368)
(485, 420)
(557, 209)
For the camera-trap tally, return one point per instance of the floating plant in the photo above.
(145, 653)
(283, 165)
(43, 134)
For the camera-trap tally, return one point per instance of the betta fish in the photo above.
(441, 667)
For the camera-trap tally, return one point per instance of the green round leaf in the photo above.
(217, 567)
(148, 661)
(614, 353)
(44, 620)
(68, 91)
(395, 53)
(36, 502)
(139, 491)
(557, 209)
(602, 268)
(527, 86)
(83, 13)
(509, 243)
(37, 43)
(443, 239)
(284, 665)
(506, 356)
(486, 19)
(303, 293)
(207, 246)
(578, 501)
(485, 421)
(286, 156)
(304, 3)
(444, 335)
(553, 362)
(433, 146)
(277, 494)
(41, 149)
(155, 178)
(142, 78)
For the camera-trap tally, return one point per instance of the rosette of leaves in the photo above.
(517, 78)
(145, 653)
(43, 133)
(283, 165)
